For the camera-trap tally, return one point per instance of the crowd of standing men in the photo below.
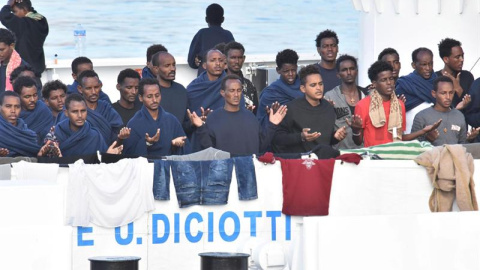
(319, 108)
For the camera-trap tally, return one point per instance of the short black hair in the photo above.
(25, 4)
(387, 51)
(155, 48)
(233, 45)
(214, 14)
(377, 68)
(345, 57)
(229, 77)
(16, 72)
(221, 47)
(205, 56)
(147, 81)
(86, 74)
(286, 56)
(419, 50)
(306, 71)
(440, 79)
(7, 94)
(22, 82)
(326, 34)
(74, 97)
(78, 61)
(445, 46)
(7, 36)
(52, 86)
(156, 58)
(127, 73)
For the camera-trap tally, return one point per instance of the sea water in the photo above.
(125, 28)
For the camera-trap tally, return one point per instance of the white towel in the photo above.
(109, 195)
(5, 172)
(35, 171)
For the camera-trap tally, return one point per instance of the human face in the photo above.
(167, 67)
(313, 88)
(235, 60)
(77, 113)
(6, 51)
(348, 72)
(232, 94)
(385, 84)
(19, 12)
(288, 73)
(91, 89)
(328, 49)
(151, 97)
(214, 65)
(424, 64)
(394, 61)
(29, 98)
(10, 109)
(56, 100)
(455, 60)
(128, 89)
(443, 96)
(81, 68)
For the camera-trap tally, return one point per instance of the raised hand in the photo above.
(179, 141)
(456, 82)
(277, 117)
(464, 103)
(154, 139)
(251, 108)
(50, 149)
(473, 133)
(435, 125)
(205, 113)
(308, 137)
(275, 107)
(355, 123)
(124, 133)
(195, 119)
(4, 152)
(341, 133)
(114, 149)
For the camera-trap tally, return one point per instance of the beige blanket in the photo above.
(450, 169)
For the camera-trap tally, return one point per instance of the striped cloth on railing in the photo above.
(394, 150)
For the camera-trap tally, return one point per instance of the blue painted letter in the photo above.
(166, 224)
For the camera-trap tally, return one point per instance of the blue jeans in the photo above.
(246, 179)
(202, 182)
(161, 180)
(205, 182)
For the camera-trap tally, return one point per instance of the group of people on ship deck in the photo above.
(318, 108)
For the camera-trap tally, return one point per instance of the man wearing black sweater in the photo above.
(310, 121)
(233, 128)
(31, 30)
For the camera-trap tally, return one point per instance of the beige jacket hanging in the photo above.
(450, 168)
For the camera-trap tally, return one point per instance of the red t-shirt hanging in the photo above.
(306, 186)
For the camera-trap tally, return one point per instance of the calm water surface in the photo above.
(125, 28)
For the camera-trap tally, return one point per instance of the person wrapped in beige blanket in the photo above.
(450, 168)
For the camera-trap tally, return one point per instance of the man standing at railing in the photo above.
(235, 53)
(207, 38)
(174, 95)
(31, 30)
(233, 128)
(327, 47)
